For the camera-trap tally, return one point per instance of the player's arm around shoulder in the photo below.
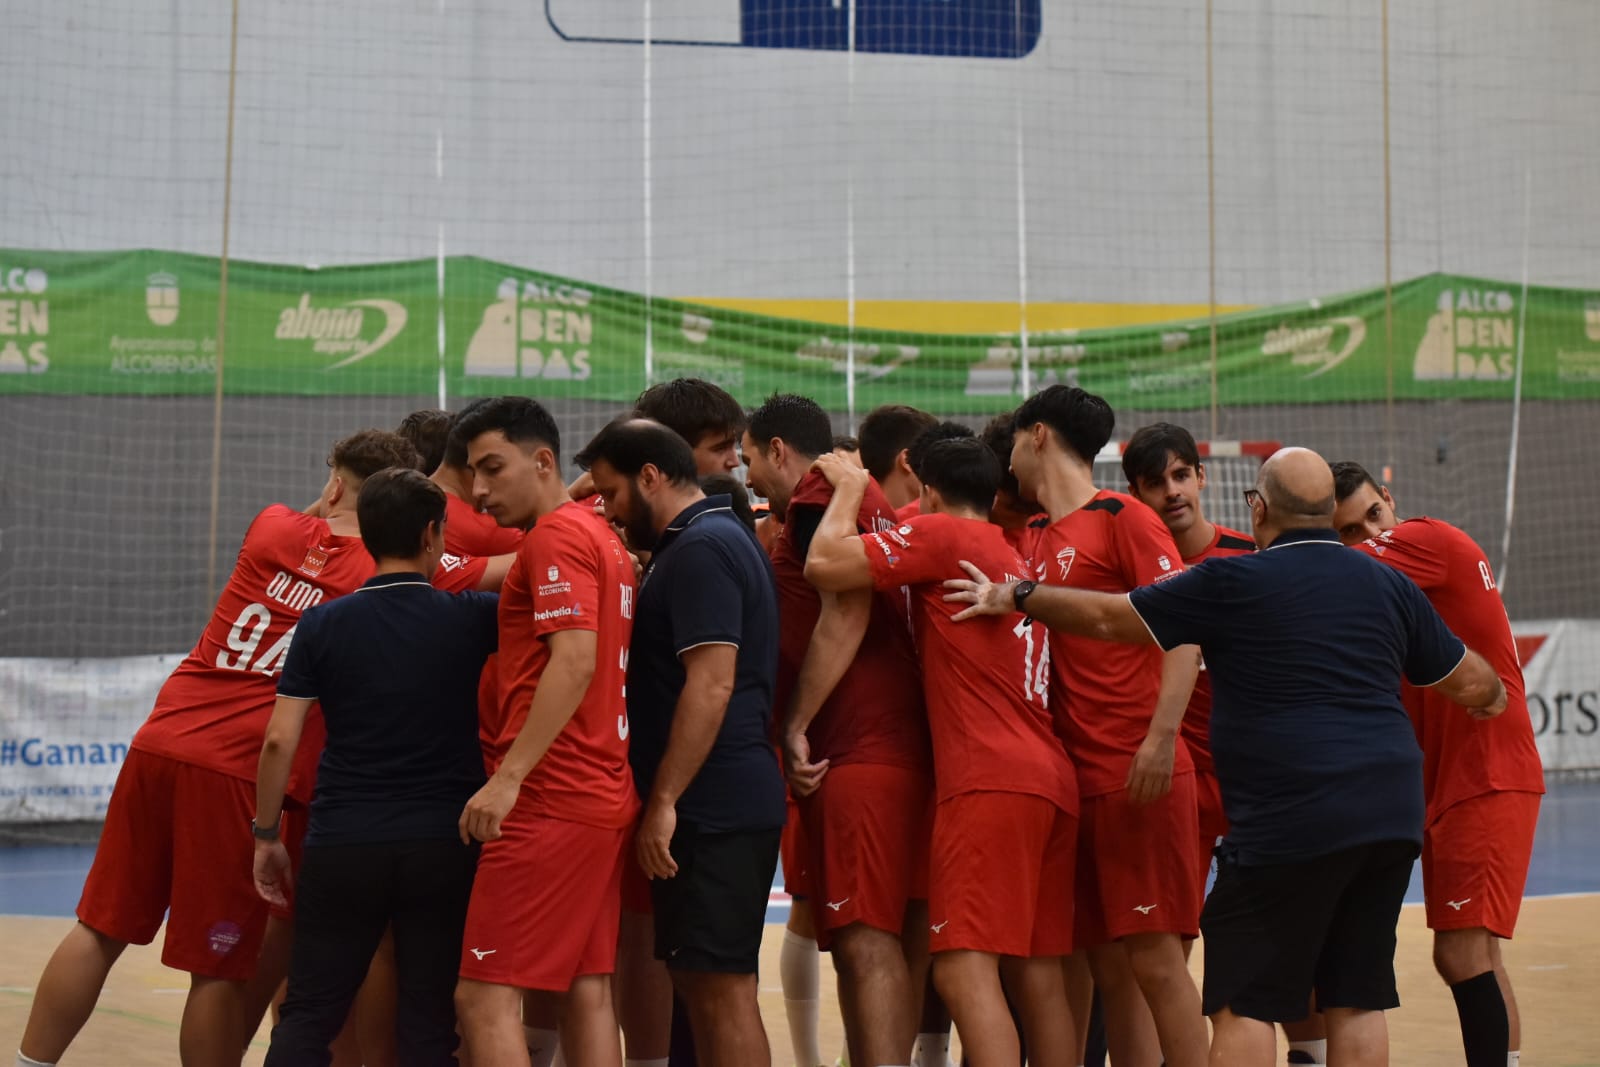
(836, 560)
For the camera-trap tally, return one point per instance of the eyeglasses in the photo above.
(1253, 495)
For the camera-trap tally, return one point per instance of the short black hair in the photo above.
(455, 446)
(798, 421)
(718, 484)
(1348, 478)
(395, 508)
(1145, 454)
(427, 430)
(627, 444)
(948, 430)
(522, 419)
(1000, 435)
(692, 408)
(886, 432)
(1082, 420)
(845, 443)
(366, 452)
(963, 470)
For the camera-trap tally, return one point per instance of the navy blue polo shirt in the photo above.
(1306, 644)
(395, 666)
(709, 582)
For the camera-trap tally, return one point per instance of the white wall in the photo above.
(113, 133)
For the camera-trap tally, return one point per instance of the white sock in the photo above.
(1318, 1050)
(23, 1061)
(543, 1045)
(1514, 1059)
(931, 1050)
(798, 974)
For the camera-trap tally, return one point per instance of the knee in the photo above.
(864, 952)
(1461, 954)
(1156, 962)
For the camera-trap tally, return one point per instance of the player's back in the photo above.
(213, 710)
(1104, 693)
(986, 680)
(1463, 757)
(571, 573)
(875, 714)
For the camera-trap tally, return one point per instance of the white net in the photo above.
(869, 201)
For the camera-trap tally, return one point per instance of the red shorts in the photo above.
(1137, 871)
(177, 836)
(792, 849)
(1475, 862)
(1213, 822)
(868, 827)
(545, 904)
(1001, 875)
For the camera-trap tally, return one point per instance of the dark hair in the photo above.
(394, 509)
(522, 419)
(691, 408)
(366, 452)
(1348, 478)
(886, 432)
(1081, 420)
(1000, 435)
(427, 431)
(948, 430)
(1145, 454)
(844, 442)
(963, 470)
(455, 446)
(796, 420)
(628, 444)
(717, 484)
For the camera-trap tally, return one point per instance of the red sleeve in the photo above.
(564, 576)
(1145, 547)
(459, 574)
(1413, 549)
(912, 553)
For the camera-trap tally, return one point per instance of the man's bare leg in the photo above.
(875, 994)
(643, 990)
(67, 992)
(212, 1031)
(1240, 1042)
(589, 1023)
(1357, 1038)
(1039, 989)
(490, 1017)
(969, 983)
(1163, 977)
(1131, 1037)
(726, 1018)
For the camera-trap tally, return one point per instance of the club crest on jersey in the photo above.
(316, 559)
(553, 574)
(1064, 560)
(1166, 564)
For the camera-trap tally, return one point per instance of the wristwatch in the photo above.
(1021, 593)
(266, 833)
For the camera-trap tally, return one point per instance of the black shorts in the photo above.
(711, 914)
(1274, 932)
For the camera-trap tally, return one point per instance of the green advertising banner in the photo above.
(145, 323)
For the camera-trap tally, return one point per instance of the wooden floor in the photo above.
(1555, 965)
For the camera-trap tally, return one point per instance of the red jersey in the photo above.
(910, 511)
(1024, 540)
(213, 711)
(571, 573)
(469, 532)
(1461, 756)
(875, 713)
(986, 680)
(1105, 691)
(1197, 719)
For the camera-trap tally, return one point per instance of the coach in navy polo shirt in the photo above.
(701, 670)
(395, 666)
(1318, 764)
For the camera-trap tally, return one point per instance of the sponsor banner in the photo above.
(1561, 668)
(65, 725)
(146, 323)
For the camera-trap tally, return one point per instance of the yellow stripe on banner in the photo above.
(931, 316)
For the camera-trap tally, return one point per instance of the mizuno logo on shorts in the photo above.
(1456, 904)
(840, 904)
(1145, 909)
(938, 928)
(482, 952)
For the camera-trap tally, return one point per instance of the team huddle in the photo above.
(493, 760)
